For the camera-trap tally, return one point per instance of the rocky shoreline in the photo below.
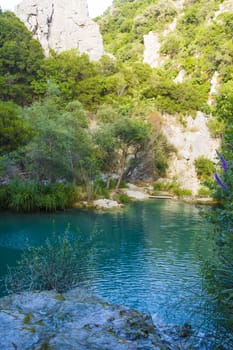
(78, 320)
(141, 193)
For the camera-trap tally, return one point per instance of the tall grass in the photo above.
(28, 196)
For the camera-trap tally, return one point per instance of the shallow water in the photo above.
(146, 256)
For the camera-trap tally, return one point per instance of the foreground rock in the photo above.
(78, 320)
(62, 25)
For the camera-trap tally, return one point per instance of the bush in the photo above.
(204, 168)
(124, 198)
(204, 192)
(173, 187)
(216, 127)
(52, 266)
(29, 196)
(100, 188)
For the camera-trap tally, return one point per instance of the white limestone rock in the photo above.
(180, 77)
(214, 88)
(62, 25)
(136, 192)
(152, 50)
(106, 204)
(179, 4)
(192, 141)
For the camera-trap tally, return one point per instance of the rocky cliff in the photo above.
(62, 25)
(77, 320)
(191, 141)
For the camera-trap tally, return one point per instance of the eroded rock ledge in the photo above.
(78, 320)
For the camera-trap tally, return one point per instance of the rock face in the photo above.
(214, 88)
(152, 50)
(62, 25)
(191, 141)
(77, 320)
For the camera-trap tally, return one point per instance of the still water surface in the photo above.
(146, 256)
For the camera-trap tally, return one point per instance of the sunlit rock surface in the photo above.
(191, 141)
(106, 204)
(152, 50)
(62, 25)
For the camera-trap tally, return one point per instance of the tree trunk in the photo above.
(108, 182)
(122, 170)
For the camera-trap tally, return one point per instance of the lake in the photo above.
(146, 256)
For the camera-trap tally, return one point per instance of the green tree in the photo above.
(204, 168)
(67, 69)
(132, 135)
(20, 59)
(13, 131)
(108, 151)
(60, 139)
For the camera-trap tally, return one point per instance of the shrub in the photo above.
(204, 168)
(29, 196)
(52, 266)
(173, 187)
(124, 198)
(216, 127)
(100, 188)
(24, 196)
(204, 192)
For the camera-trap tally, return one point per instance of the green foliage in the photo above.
(124, 27)
(204, 168)
(172, 98)
(74, 74)
(19, 64)
(172, 187)
(13, 131)
(100, 188)
(204, 192)
(219, 277)
(123, 198)
(216, 127)
(51, 266)
(29, 196)
(61, 141)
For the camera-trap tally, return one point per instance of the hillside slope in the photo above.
(189, 46)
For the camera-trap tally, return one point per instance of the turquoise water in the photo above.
(146, 256)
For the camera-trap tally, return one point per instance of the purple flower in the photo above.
(220, 182)
(223, 161)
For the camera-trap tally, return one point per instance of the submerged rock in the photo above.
(77, 320)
